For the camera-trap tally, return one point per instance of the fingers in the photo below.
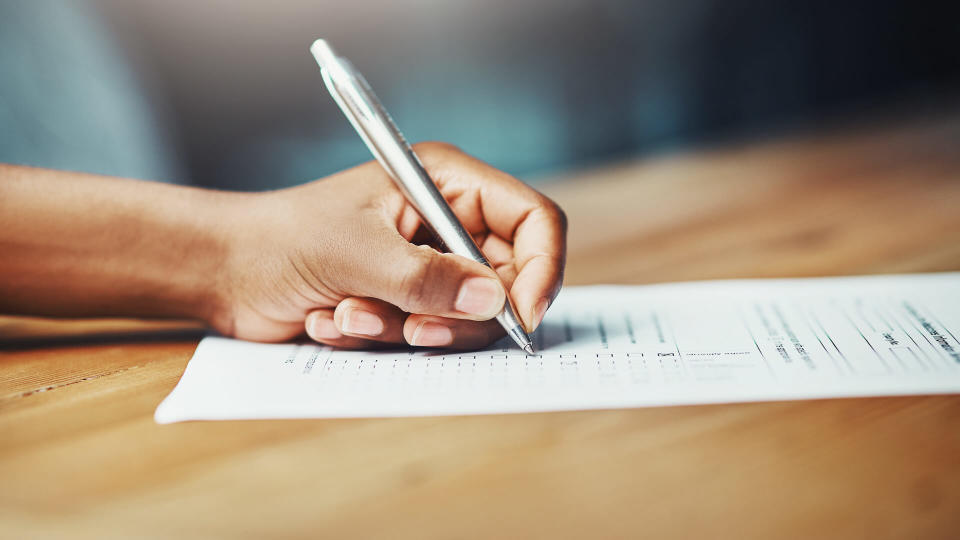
(360, 323)
(357, 323)
(419, 279)
(539, 247)
(368, 318)
(487, 199)
(523, 234)
(321, 327)
(432, 331)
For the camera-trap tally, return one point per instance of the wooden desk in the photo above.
(80, 455)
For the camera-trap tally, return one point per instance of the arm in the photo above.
(335, 259)
(76, 244)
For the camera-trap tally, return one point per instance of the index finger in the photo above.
(487, 199)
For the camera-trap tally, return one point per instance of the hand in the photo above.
(338, 258)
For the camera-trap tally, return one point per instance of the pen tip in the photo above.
(528, 348)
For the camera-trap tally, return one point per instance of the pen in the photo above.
(374, 125)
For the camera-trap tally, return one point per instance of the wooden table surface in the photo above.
(80, 455)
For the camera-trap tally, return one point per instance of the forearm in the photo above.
(74, 244)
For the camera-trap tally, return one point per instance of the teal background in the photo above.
(225, 94)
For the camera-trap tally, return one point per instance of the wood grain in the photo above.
(80, 456)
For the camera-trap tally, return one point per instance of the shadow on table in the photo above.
(26, 333)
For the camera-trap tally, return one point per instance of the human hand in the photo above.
(338, 258)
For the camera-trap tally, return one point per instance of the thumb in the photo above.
(419, 279)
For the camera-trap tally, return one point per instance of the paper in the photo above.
(610, 347)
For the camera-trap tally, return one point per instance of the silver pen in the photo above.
(371, 121)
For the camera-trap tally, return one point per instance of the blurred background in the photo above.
(225, 94)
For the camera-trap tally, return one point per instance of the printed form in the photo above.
(615, 346)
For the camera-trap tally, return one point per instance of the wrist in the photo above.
(217, 276)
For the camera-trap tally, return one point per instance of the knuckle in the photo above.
(437, 156)
(435, 148)
(556, 213)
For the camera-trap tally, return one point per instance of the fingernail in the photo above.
(430, 334)
(540, 311)
(359, 321)
(480, 296)
(324, 328)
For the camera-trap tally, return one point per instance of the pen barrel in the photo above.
(378, 131)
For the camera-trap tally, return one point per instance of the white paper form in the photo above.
(616, 346)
